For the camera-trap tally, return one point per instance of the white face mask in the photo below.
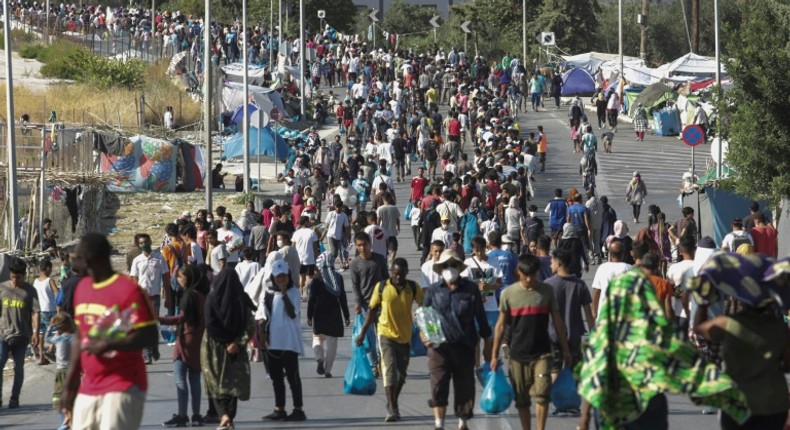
(506, 247)
(280, 243)
(450, 275)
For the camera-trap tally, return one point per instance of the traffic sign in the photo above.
(373, 16)
(276, 114)
(692, 135)
(321, 14)
(435, 21)
(465, 26)
(546, 38)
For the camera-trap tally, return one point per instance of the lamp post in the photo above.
(246, 105)
(11, 138)
(718, 86)
(207, 99)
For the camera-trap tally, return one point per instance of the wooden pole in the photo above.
(695, 26)
(644, 26)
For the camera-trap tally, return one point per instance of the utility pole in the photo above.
(13, 215)
(718, 86)
(245, 100)
(524, 33)
(302, 60)
(207, 120)
(695, 26)
(644, 22)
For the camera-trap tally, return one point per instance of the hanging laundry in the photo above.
(73, 199)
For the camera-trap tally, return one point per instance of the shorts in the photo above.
(394, 361)
(556, 355)
(492, 316)
(531, 380)
(60, 383)
(535, 97)
(307, 269)
(115, 410)
(46, 318)
(392, 243)
(556, 234)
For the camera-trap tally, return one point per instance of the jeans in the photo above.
(282, 365)
(17, 353)
(336, 249)
(182, 372)
(153, 351)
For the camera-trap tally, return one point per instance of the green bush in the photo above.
(64, 60)
(30, 51)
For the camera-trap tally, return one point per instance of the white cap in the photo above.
(280, 267)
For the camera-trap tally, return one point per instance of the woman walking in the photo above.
(635, 194)
(283, 316)
(613, 109)
(600, 109)
(229, 325)
(190, 326)
(640, 122)
(327, 309)
(514, 220)
(571, 242)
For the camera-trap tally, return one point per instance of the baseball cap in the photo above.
(280, 267)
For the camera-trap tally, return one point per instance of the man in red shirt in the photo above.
(765, 237)
(454, 129)
(111, 392)
(418, 184)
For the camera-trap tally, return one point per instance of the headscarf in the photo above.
(196, 284)
(332, 281)
(620, 229)
(635, 354)
(227, 307)
(296, 209)
(569, 231)
(474, 205)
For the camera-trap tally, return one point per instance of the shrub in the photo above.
(30, 51)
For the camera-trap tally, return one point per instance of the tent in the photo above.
(577, 82)
(691, 65)
(591, 61)
(234, 72)
(233, 146)
(265, 98)
(143, 164)
(652, 96)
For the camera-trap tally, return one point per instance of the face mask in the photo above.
(146, 247)
(209, 219)
(445, 226)
(280, 243)
(450, 274)
(506, 247)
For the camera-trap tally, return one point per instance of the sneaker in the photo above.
(176, 421)
(296, 415)
(149, 361)
(327, 375)
(390, 417)
(197, 420)
(13, 404)
(320, 368)
(276, 416)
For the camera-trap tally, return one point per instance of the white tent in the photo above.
(590, 61)
(264, 98)
(692, 65)
(235, 73)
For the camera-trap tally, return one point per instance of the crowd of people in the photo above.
(504, 274)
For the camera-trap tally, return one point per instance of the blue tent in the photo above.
(233, 147)
(577, 82)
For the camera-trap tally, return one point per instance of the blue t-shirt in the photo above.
(576, 214)
(506, 262)
(558, 210)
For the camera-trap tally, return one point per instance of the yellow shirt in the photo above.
(395, 318)
(432, 96)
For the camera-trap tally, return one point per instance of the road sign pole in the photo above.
(10, 137)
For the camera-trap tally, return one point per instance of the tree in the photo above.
(497, 25)
(572, 21)
(405, 18)
(756, 108)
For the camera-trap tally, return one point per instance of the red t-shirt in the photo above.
(454, 128)
(101, 374)
(418, 187)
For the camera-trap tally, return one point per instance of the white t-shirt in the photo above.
(303, 240)
(480, 271)
(149, 272)
(445, 236)
(415, 216)
(429, 277)
(232, 238)
(195, 254)
(675, 274)
(46, 296)
(285, 332)
(218, 253)
(378, 239)
(247, 271)
(385, 152)
(335, 223)
(730, 237)
(605, 273)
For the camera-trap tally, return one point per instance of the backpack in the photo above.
(738, 241)
(179, 263)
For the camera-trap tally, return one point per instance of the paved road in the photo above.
(661, 161)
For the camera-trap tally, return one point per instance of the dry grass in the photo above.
(77, 103)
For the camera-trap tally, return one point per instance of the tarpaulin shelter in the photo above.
(265, 98)
(234, 145)
(691, 65)
(590, 61)
(652, 96)
(141, 163)
(577, 82)
(234, 72)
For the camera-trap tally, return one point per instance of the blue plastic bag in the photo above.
(359, 378)
(418, 349)
(359, 321)
(564, 395)
(497, 393)
(407, 211)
